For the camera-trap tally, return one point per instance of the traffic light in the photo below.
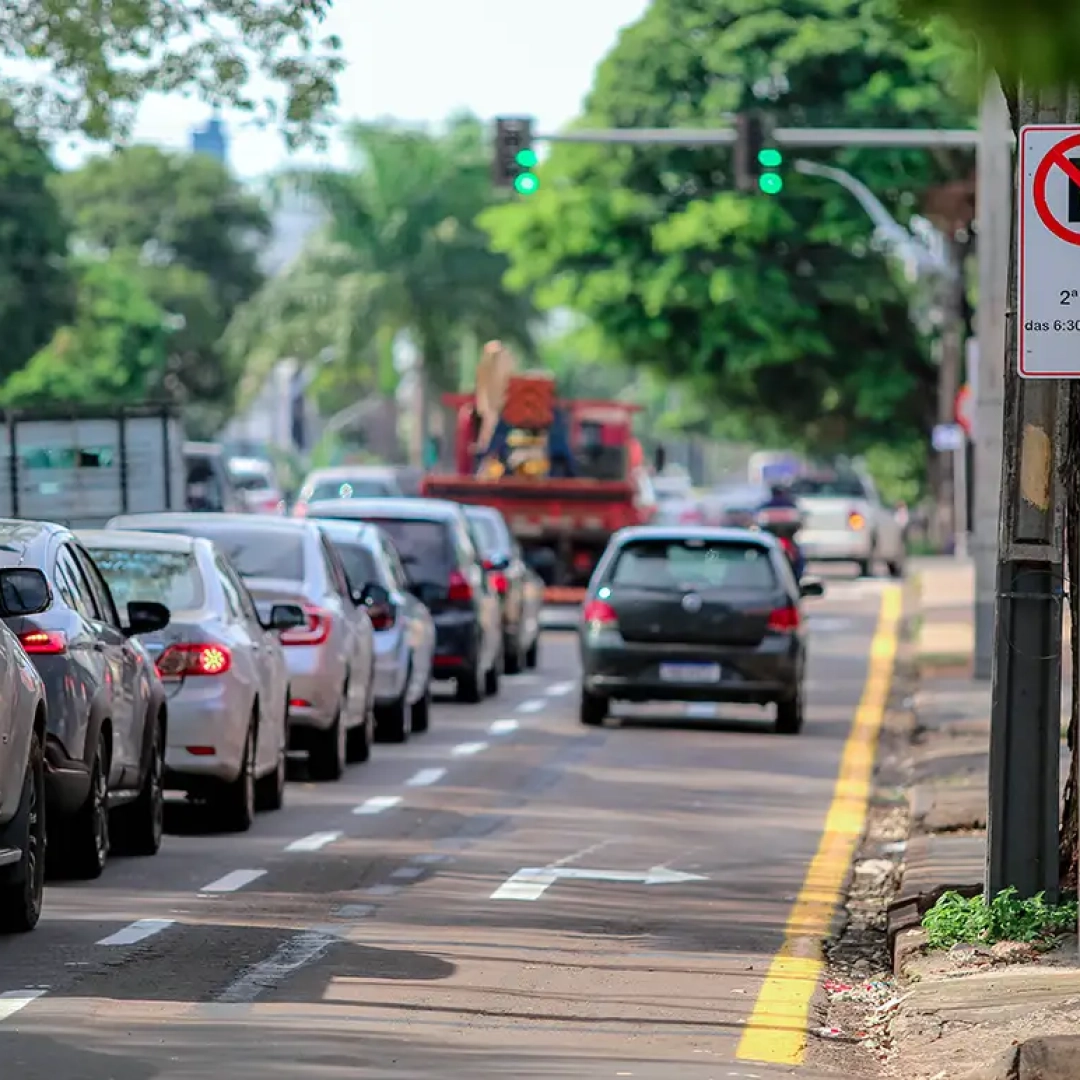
(757, 160)
(515, 159)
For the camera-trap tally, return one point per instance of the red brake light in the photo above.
(179, 661)
(499, 583)
(315, 632)
(784, 619)
(44, 642)
(460, 591)
(600, 613)
(382, 616)
(300, 510)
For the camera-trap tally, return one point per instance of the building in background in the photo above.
(211, 139)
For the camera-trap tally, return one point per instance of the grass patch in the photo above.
(956, 920)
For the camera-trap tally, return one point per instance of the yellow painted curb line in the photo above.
(776, 1030)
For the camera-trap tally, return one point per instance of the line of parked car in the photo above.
(194, 652)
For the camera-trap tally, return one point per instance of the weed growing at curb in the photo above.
(956, 920)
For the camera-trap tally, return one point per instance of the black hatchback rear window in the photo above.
(424, 546)
(692, 563)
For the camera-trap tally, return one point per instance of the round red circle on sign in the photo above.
(1038, 190)
(962, 408)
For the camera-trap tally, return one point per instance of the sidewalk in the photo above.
(971, 1008)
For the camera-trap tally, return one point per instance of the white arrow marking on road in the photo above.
(377, 804)
(503, 727)
(533, 705)
(314, 842)
(13, 1001)
(137, 931)
(532, 883)
(425, 778)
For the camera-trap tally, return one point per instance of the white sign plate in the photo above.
(1049, 242)
(946, 437)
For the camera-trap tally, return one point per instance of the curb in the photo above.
(1055, 1057)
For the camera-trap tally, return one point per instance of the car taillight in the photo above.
(44, 642)
(459, 591)
(691, 516)
(382, 616)
(788, 545)
(499, 582)
(300, 510)
(784, 619)
(314, 632)
(599, 613)
(856, 521)
(180, 661)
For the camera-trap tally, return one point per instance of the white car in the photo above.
(844, 520)
(347, 482)
(257, 483)
(223, 670)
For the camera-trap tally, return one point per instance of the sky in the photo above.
(422, 60)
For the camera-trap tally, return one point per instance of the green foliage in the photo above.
(195, 232)
(777, 311)
(955, 919)
(104, 58)
(115, 351)
(36, 291)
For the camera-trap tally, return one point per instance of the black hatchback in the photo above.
(694, 614)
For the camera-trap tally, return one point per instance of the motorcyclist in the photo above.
(780, 498)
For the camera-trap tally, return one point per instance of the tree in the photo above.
(35, 286)
(779, 312)
(102, 59)
(114, 352)
(196, 234)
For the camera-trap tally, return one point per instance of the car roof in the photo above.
(361, 531)
(391, 506)
(723, 534)
(139, 541)
(334, 472)
(193, 520)
(472, 510)
(28, 540)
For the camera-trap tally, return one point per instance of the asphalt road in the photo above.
(372, 929)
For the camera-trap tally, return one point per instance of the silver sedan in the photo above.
(223, 669)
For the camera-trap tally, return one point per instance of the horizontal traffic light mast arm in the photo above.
(805, 137)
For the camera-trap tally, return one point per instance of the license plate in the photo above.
(690, 673)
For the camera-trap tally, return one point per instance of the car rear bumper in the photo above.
(457, 642)
(835, 545)
(207, 730)
(391, 665)
(316, 682)
(632, 672)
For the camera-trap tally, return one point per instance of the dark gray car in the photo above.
(691, 613)
(105, 741)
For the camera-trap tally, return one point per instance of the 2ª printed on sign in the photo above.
(1049, 248)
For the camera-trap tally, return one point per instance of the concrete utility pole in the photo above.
(993, 233)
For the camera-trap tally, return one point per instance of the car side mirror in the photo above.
(811, 587)
(375, 595)
(146, 617)
(24, 590)
(286, 617)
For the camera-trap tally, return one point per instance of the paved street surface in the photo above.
(372, 928)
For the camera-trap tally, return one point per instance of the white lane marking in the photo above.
(701, 710)
(407, 873)
(503, 727)
(531, 706)
(525, 885)
(383, 890)
(377, 804)
(265, 975)
(15, 1000)
(560, 688)
(137, 931)
(315, 842)
(467, 749)
(425, 778)
(237, 879)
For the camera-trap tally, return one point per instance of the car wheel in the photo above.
(237, 801)
(82, 841)
(515, 656)
(22, 886)
(328, 754)
(421, 711)
(393, 722)
(532, 654)
(140, 826)
(359, 739)
(270, 790)
(896, 570)
(470, 686)
(594, 709)
(491, 676)
(789, 715)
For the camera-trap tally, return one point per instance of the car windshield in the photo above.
(359, 563)
(168, 577)
(693, 563)
(256, 553)
(356, 487)
(828, 487)
(424, 546)
(488, 534)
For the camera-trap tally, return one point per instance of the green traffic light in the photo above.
(526, 158)
(771, 184)
(526, 183)
(770, 158)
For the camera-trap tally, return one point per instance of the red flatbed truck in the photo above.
(563, 524)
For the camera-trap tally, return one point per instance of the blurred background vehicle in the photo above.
(23, 591)
(676, 500)
(346, 482)
(106, 708)
(256, 481)
(209, 484)
(223, 670)
(404, 629)
(446, 573)
(519, 587)
(331, 658)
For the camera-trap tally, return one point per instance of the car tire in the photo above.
(491, 676)
(421, 711)
(594, 709)
(393, 722)
(236, 803)
(470, 686)
(139, 828)
(789, 715)
(329, 750)
(515, 656)
(82, 841)
(896, 570)
(359, 739)
(270, 789)
(22, 886)
(532, 654)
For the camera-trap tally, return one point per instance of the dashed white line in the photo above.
(503, 727)
(15, 1000)
(467, 749)
(265, 975)
(137, 931)
(407, 873)
(377, 804)
(315, 842)
(526, 885)
(425, 778)
(559, 688)
(237, 879)
(531, 706)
